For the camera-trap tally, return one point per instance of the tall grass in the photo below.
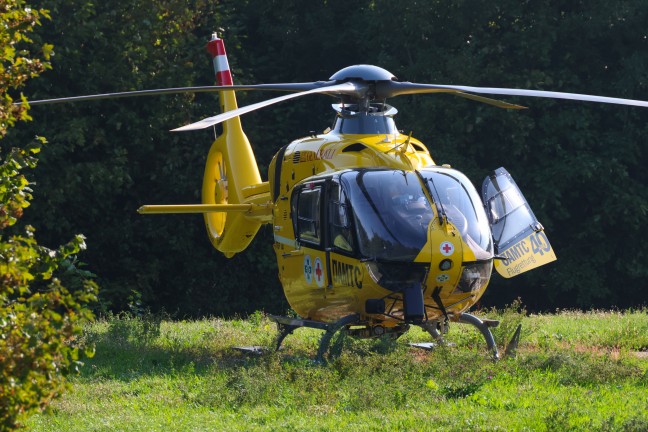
(574, 371)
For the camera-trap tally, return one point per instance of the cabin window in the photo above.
(308, 214)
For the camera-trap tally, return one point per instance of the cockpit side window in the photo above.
(308, 214)
(341, 237)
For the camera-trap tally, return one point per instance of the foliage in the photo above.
(188, 377)
(580, 165)
(39, 316)
(109, 158)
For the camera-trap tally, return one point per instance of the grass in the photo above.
(574, 371)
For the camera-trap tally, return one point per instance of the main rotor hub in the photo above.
(363, 72)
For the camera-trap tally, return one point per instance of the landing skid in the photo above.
(436, 329)
(252, 350)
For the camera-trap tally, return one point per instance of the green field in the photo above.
(574, 371)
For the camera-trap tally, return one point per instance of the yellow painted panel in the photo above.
(526, 254)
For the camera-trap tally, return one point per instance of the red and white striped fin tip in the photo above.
(216, 48)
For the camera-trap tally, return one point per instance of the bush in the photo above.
(39, 317)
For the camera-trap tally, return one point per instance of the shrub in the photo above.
(39, 316)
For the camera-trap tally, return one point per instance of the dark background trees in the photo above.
(580, 165)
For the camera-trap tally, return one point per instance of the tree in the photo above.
(579, 165)
(39, 316)
(107, 158)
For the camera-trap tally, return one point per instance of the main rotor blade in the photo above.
(348, 88)
(291, 87)
(399, 88)
(489, 101)
(387, 89)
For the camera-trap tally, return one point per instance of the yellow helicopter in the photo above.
(370, 234)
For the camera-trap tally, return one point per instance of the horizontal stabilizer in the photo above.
(204, 208)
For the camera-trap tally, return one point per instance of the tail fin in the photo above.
(231, 172)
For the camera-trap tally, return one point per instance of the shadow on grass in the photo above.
(128, 348)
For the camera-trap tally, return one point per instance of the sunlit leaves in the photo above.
(39, 317)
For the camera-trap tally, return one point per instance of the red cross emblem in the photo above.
(319, 273)
(447, 248)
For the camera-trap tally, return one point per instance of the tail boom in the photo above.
(231, 172)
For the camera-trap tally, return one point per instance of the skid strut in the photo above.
(287, 325)
(484, 327)
(432, 327)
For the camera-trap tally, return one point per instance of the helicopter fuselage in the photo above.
(344, 246)
(367, 229)
(366, 224)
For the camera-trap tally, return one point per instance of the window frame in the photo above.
(297, 214)
(333, 228)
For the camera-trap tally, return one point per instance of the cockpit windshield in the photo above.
(459, 201)
(391, 213)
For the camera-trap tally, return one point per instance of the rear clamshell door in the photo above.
(518, 236)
